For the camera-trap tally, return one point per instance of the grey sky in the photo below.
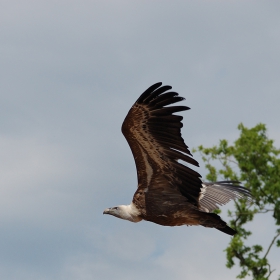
(70, 71)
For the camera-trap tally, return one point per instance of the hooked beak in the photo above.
(107, 211)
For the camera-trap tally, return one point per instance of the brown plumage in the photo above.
(169, 193)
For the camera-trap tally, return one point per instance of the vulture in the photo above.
(169, 192)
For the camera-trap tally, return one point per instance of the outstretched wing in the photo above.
(154, 136)
(153, 133)
(220, 193)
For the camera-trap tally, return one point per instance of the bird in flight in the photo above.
(169, 192)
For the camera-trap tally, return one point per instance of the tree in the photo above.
(254, 161)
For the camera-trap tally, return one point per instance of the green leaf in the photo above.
(253, 160)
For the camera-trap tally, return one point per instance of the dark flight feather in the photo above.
(169, 192)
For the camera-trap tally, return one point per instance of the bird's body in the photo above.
(169, 193)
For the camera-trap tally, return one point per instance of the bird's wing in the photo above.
(220, 193)
(153, 133)
(154, 136)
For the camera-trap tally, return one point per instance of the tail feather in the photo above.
(213, 220)
(228, 230)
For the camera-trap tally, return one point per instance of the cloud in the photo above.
(70, 72)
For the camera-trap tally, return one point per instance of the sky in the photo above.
(69, 72)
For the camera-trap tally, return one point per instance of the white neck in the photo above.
(129, 212)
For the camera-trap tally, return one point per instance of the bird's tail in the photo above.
(213, 220)
(228, 230)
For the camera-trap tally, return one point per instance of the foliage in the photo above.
(254, 161)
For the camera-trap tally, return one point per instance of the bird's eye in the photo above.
(116, 208)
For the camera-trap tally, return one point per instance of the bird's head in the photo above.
(114, 211)
(125, 212)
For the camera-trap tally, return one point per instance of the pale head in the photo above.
(125, 212)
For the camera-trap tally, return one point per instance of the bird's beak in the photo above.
(107, 211)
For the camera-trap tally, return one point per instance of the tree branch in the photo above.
(273, 240)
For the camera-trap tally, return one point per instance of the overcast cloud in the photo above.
(70, 71)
